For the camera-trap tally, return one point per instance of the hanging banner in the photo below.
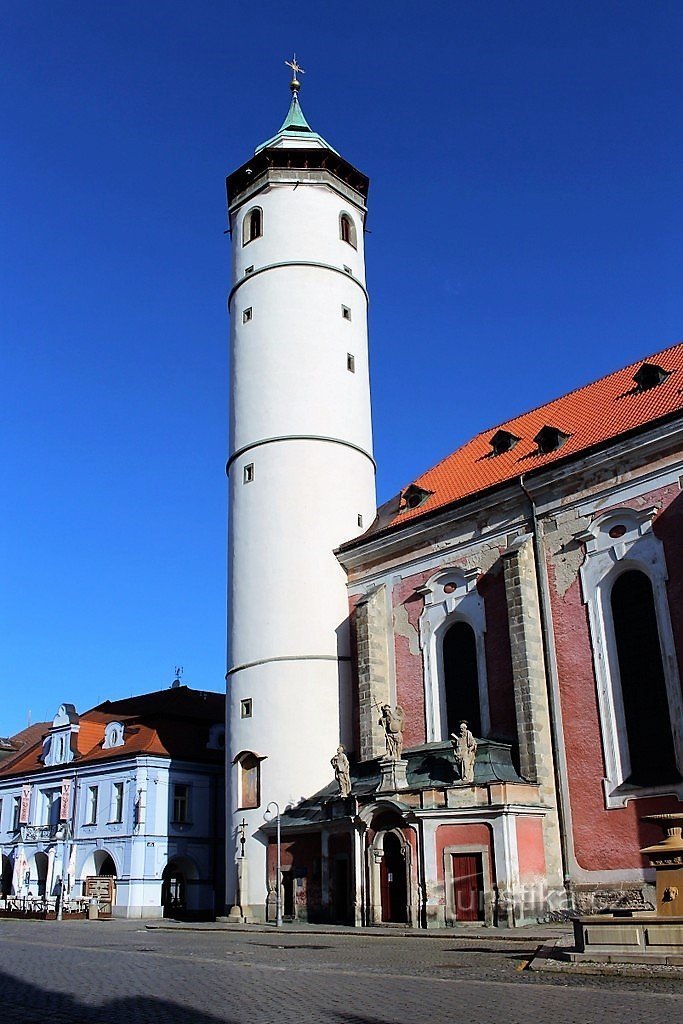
(25, 808)
(64, 801)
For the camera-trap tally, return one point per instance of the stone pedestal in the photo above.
(239, 914)
(655, 937)
(666, 858)
(393, 776)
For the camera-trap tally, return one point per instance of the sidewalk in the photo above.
(539, 933)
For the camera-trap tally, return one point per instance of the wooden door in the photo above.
(468, 887)
(393, 881)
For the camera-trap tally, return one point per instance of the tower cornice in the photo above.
(261, 163)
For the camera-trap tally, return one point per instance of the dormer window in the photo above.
(58, 747)
(413, 496)
(649, 375)
(347, 230)
(113, 735)
(550, 439)
(502, 441)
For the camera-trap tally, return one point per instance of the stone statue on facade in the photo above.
(465, 751)
(342, 771)
(392, 723)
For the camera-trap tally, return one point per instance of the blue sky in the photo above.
(525, 221)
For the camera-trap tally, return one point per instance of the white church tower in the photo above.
(301, 473)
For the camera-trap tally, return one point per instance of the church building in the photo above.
(461, 705)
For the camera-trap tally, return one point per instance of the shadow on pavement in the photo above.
(24, 1003)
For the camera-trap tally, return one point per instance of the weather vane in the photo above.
(295, 84)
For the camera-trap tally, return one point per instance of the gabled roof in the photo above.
(172, 723)
(589, 417)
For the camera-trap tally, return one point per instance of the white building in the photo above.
(130, 791)
(301, 471)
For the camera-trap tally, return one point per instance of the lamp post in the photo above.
(278, 901)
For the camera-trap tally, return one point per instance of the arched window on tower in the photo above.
(347, 230)
(249, 780)
(461, 677)
(252, 225)
(643, 684)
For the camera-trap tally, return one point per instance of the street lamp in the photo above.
(268, 814)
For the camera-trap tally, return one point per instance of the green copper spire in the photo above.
(295, 131)
(295, 117)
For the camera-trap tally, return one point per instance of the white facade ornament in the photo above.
(451, 595)
(113, 735)
(617, 541)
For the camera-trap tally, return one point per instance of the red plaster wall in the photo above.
(607, 839)
(491, 586)
(530, 847)
(300, 852)
(462, 835)
(409, 673)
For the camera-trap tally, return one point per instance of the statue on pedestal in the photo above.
(342, 772)
(392, 723)
(465, 751)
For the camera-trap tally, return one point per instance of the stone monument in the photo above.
(392, 766)
(342, 771)
(465, 751)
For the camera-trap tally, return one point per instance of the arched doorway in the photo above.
(179, 895)
(106, 866)
(393, 882)
(173, 890)
(41, 862)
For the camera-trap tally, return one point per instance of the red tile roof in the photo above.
(592, 415)
(167, 723)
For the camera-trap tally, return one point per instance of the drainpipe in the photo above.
(550, 663)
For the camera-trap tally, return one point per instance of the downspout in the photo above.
(550, 663)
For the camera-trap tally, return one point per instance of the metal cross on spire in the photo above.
(295, 84)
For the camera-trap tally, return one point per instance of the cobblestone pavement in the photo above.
(116, 972)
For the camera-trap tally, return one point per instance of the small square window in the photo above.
(246, 707)
(248, 270)
(360, 519)
(350, 363)
(346, 312)
(249, 473)
(247, 315)
(347, 270)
